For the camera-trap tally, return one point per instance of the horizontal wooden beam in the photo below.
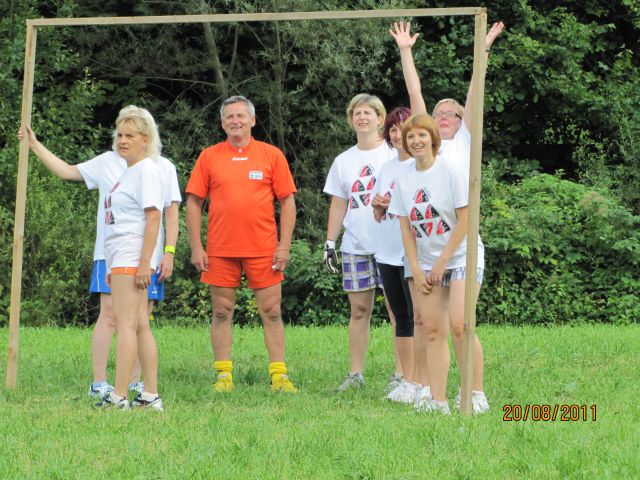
(253, 17)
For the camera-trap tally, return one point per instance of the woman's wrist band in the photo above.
(170, 249)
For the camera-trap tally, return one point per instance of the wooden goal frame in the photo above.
(479, 69)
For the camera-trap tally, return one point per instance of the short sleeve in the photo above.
(172, 186)
(282, 183)
(333, 184)
(199, 181)
(91, 172)
(458, 188)
(397, 205)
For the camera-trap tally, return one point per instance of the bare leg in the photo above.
(392, 318)
(457, 332)
(223, 301)
(128, 302)
(101, 338)
(268, 300)
(421, 373)
(434, 312)
(147, 350)
(361, 308)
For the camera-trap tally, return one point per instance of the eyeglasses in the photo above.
(440, 115)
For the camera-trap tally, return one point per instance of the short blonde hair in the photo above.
(370, 100)
(425, 122)
(456, 106)
(142, 121)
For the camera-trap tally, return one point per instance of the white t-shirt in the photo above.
(139, 187)
(457, 150)
(429, 198)
(353, 176)
(388, 238)
(103, 171)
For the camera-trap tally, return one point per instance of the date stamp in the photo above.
(549, 413)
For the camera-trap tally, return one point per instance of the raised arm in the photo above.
(496, 29)
(405, 42)
(56, 165)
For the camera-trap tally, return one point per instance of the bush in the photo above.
(557, 251)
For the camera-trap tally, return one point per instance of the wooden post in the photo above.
(21, 200)
(477, 106)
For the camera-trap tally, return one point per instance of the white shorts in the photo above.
(124, 251)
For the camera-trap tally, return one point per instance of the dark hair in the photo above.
(397, 116)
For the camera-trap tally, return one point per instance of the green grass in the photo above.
(49, 429)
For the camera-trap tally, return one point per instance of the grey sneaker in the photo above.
(109, 403)
(99, 390)
(352, 380)
(155, 404)
(394, 382)
(479, 402)
(137, 387)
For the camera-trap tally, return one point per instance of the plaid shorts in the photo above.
(359, 272)
(451, 274)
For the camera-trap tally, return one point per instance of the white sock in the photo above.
(148, 397)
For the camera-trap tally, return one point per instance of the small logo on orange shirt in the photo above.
(255, 175)
(239, 159)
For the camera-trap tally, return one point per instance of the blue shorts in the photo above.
(99, 283)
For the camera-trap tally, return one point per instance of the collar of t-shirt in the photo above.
(240, 150)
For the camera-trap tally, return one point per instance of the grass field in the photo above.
(49, 429)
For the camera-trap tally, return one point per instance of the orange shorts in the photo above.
(227, 272)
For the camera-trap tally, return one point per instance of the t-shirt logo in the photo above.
(109, 219)
(426, 228)
(255, 175)
(354, 203)
(366, 171)
(415, 231)
(431, 212)
(422, 196)
(366, 198)
(442, 227)
(416, 215)
(357, 186)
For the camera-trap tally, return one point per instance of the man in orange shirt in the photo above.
(242, 177)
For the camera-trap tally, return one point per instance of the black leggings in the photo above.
(396, 289)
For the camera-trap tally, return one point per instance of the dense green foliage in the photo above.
(561, 94)
(317, 434)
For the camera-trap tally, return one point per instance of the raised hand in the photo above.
(402, 35)
(496, 30)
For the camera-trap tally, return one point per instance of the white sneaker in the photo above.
(403, 393)
(421, 393)
(99, 390)
(428, 405)
(479, 402)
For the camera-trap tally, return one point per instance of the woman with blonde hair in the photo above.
(350, 182)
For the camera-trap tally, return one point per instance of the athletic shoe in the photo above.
(100, 390)
(403, 393)
(421, 393)
(224, 384)
(428, 405)
(283, 384)
(352, 380)
(155, 404)
(394, 382)
(479, 402)
(137, 387)
(109, 403)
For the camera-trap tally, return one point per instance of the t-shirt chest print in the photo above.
(361, 188)
(109, 218)
(424, 216)
(388, 196)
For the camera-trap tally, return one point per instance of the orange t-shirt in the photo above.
(242, 185)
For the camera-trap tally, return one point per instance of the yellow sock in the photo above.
(277, 370)
(224, 366)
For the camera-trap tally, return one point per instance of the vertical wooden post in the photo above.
(477, 106)
(21, 200)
